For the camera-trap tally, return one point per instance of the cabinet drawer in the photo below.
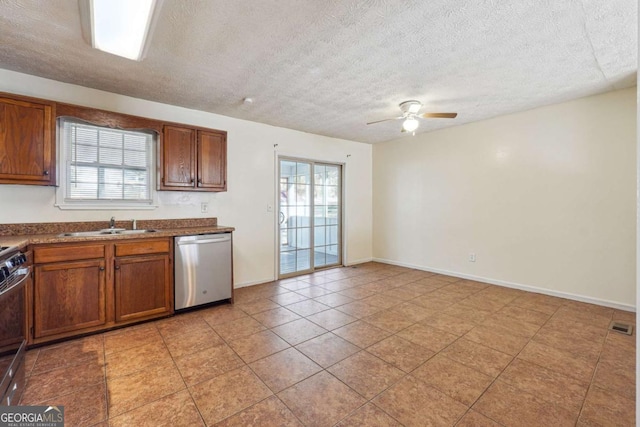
(67, 253)
(142, 248)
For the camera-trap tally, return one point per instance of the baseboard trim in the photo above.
(358, 261)
(260, 282)
(567, 295)
(251, 283)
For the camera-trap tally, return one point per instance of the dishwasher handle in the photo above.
(208, 239)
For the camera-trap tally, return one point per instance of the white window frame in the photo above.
(63, 202)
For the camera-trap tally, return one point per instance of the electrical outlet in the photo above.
(204, 207)
(472, 257)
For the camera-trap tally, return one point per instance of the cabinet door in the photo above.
(143, 287)
(212, 160)
(26, 142)
(178, 158)
(68, 297)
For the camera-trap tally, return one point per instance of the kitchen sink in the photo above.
(85, 233)
(105, 232)
(135, 231)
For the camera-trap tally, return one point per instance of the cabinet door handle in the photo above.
(46, 173)
(101, 268)
(117, 267)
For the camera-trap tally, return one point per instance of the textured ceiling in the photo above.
(329, 67)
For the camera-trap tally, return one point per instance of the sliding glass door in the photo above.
(309, 216)
(326, 224)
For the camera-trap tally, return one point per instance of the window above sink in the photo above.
(103, 167)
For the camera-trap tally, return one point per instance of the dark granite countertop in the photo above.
(21, 235)
(19, 242)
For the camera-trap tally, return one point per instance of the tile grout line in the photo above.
(470, 407)
(58, 368)
(162, 337)
(245, 364)
(106, 383)
(272, 392)
(367, 401)
(511, 362)
(406, 374)
(593, 375)
(378, 278)
(188, 389)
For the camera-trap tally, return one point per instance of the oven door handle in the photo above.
(9, 397)
(24, 272)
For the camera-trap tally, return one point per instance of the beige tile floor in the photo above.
(375, 345)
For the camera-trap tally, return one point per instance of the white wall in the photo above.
(545, 199)
(251, 177)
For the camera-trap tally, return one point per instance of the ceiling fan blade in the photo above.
(438, 115)
(385, 120)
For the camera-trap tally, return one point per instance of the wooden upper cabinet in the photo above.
(179, 157)
(27, 135)
(212, 160)
(190, 158)
(193, 159)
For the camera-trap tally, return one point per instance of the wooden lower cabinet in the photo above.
(74, 296)
(69, 296)
(140, 286)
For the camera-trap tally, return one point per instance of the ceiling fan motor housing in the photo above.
(410, 107)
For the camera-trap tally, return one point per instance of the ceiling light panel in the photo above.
(121, 27)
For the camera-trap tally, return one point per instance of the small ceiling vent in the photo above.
(623, 328)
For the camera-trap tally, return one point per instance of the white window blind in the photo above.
(104, 164)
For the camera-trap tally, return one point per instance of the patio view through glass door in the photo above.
(309, 216)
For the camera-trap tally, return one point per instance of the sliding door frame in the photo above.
(341, 207)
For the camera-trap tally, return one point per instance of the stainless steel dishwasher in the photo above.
(202, 269)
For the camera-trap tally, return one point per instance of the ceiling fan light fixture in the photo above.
(121, 27)
(410, 124)
(410, 116)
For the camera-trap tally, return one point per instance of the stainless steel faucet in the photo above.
(112, 222)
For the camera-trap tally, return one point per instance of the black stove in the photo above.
(15, 271)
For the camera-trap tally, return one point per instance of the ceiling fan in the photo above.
(410, 116)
